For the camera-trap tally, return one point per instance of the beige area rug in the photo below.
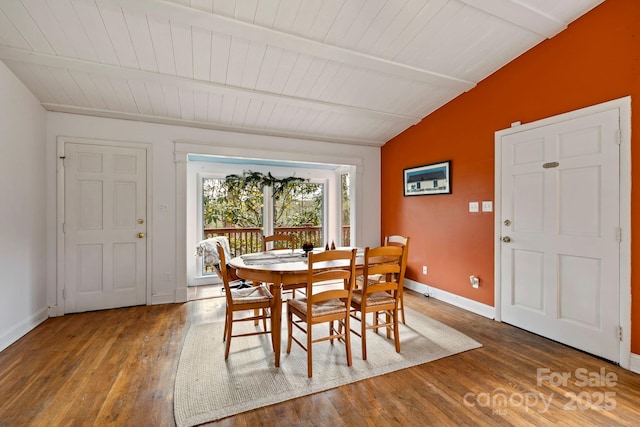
(209, 388)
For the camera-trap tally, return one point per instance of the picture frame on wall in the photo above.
(434, 178)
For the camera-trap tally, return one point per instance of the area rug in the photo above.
(209, 388)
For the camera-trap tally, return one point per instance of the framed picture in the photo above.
(428, 179)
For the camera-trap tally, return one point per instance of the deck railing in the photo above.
(247, 240)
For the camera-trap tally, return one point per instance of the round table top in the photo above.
(280, 261)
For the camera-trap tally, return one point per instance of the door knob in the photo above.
(506, 239)
(140, 235)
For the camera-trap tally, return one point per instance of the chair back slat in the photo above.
(287, 241)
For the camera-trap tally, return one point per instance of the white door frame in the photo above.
(60, 247)
(182, 149)
(624, 106)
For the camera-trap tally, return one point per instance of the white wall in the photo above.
(169, 145)
(23, 302)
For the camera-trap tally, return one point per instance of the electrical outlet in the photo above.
(475, 281)
(424, 269)
(487, 206)
(473, 206)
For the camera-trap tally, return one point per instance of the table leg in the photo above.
(276, 320)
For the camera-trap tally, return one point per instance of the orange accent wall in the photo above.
(596, 59)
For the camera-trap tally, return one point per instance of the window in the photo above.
(299, 210)
(345, 208)
(239, 213)
(235, 212)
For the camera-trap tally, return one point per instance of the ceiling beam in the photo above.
(520, 14)
(93, 112)
(217, 23)
(43, 59)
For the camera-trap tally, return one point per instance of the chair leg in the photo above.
(309, 352)
(229, 332)
(347, 339)
(264, 319)
(396, 334)
(289, 330)
(376, 321)
(387, 318)
(226, 324)
(363, 332)
(331, 331)
(404, 322)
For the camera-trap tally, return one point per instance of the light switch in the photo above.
(487, 206)
(473, 206)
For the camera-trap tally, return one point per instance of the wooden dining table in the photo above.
(279, 268)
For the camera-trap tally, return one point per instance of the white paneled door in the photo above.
(560, 232)
(104, 227)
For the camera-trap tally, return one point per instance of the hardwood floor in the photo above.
(117, 367)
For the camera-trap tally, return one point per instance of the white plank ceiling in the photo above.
(351, 71)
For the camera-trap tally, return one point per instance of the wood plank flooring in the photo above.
(117, 367)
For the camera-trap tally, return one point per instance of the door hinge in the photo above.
(64, 293)
(619, 234)
(620, 333)
(618, 136)
(64, 227)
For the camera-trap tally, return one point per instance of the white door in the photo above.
(560, 224)
(104, 227)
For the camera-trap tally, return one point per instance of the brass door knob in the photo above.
(140, 235)
(506, 239)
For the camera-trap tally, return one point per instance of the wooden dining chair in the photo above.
(396, 240)
(282, 241)
(327, 306)
(279, 241)
(255, 298)
(380, 298)
(393, 240)
(213, 259)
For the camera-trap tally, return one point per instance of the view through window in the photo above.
(238, 213)
(345, 184)
(299, 210)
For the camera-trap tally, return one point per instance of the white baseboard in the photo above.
(182, 294)
(453, 299)
(205, 280)
(53, 311)
(634, 366)
(166, 298)
(481, 309)
(22, 328)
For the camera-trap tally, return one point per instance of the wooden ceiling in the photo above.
(349, 71)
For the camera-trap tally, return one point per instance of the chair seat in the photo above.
(251, 295)
(325, 308)
(376, 298)
(373, 279)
